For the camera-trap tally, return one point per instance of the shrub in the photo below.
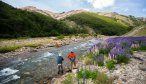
(102, 79)
(89, 55)
(69, 79)
(8, 49)
(104, 51)
(60, 37)
(87, 74)
(141, 48)
(100, 63)
(110, 64)
(33, 45)
(88, 61)
(122, 59)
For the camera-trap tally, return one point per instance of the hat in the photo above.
(60, 54)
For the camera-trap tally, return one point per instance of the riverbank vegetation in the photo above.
(88, 76)
(113, 51)
(13, 48)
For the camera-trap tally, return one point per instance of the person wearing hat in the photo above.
(59, 63)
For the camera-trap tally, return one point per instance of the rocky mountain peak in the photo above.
(52, 14)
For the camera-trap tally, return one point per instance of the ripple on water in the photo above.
(9, 78)
(7, 75)
(45, 55)
(8, 71)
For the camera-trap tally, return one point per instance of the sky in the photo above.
(126, 7)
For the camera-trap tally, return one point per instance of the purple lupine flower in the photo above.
(119, 45)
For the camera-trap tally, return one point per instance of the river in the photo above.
(41, 64)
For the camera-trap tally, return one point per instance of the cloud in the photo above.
(99, 4)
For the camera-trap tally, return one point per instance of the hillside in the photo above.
(33, 22)
(20, 23)
(100, 24)
(138, 31)
(126, 20)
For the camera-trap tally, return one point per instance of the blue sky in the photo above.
(126, 7)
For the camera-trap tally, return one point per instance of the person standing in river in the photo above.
(59, 63)
(72, 57)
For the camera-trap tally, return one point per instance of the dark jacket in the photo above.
(59, 60)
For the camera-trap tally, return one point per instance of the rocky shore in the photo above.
(132, 73)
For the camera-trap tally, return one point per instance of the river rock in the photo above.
(50, 45)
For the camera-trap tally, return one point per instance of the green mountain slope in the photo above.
(138, 31)
(19, 23)
(100, 24)
(126, 20)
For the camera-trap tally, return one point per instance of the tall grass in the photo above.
(95, 76)
(32, 45)
(13, 48)
(69, 79)
(141, 48)
(102, 79)
(8, 49)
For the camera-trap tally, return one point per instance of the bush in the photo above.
(89, 55)
(122, 59)
(100, 63)
(87, 74)
(60, 37)
(8, 49)
(104, 51)
(102, 79)
(88, 61)
(69, 79)
(32, 45)
(141, 48)
(110, 64)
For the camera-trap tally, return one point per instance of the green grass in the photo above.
(102, 78)
(122, 59)
(110, 64)
(95, 76)
(104, 51)
(8, 49)
(87, 74)
(100, 63)
(138, 31)
(13, 48)
(141, 48)
(69, 79)
(32, 45)
(60, 37)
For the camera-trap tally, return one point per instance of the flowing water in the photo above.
(39, 65)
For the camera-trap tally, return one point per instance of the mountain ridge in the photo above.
(127, 20)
